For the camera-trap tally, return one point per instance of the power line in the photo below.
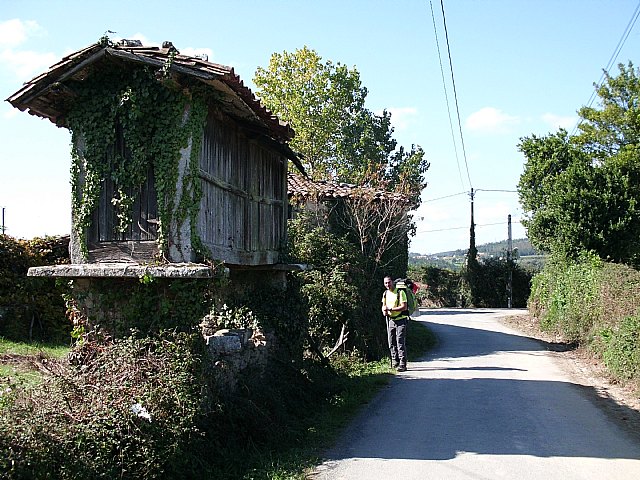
(487, 190)
(455, 92)
(446, 196)
(466, 227)
(467, 193)
(446, 95)
(612, 59)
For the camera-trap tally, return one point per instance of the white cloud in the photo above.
(558, 121)
(24, 64)
(401, 117)
(491, 120)
(15, 32)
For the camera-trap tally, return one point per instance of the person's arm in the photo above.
(385, 311)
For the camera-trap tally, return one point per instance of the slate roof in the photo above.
(50, 96)
(302, 187)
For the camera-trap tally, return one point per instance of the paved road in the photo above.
(489, 404)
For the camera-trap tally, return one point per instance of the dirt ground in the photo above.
(620, 402)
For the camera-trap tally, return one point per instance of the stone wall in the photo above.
(235, 353)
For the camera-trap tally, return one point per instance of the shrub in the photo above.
(492, 284)
(564, 296)
(32, 308)
(621, 351)
(595, 304)
(125, 410)
(442, 288)
(447, 289)
(343, 288)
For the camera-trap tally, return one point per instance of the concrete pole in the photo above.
(509, 264)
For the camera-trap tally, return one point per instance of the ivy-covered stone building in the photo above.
(174, 159)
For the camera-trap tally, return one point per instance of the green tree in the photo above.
(581, 193)
(338, 137)
(320, 101)
(613, 128)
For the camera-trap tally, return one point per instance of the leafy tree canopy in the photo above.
(581, 192)
(338, 137)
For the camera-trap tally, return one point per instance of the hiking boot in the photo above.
(402, 368)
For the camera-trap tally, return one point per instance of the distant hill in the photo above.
(494, 248)
(454, 259)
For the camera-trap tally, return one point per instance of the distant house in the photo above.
(227, 200)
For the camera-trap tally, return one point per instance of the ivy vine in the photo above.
(156, 119)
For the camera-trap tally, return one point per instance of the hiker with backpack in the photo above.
(395, 311)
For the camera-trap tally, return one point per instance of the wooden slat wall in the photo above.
(243, 207)
(144, 213)
(144, 226)
(244, 191)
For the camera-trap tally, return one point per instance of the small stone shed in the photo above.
(323, 195)
(378, 218)
(220, 196)
(306, 191)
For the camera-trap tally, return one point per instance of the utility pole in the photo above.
(472, 259)
(473, 251)
(509, 264)
(3, 227)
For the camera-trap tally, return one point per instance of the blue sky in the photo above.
(521, 67)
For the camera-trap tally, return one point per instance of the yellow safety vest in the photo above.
(390, 300)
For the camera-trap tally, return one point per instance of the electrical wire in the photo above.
(446, 196)
(446, 96)
(455, 92)
(612, 59)
(467, 227)
(487, 190)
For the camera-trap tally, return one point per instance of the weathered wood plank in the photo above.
(123, 251)
(243, 199)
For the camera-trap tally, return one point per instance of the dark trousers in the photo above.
(397, 334)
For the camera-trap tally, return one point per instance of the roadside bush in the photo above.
(127, 410)
(621, 348)
(340, 289)
(492, 283)
(595, 304)
(32, 308)
(564, 296)
(447, 289)
(442, 286)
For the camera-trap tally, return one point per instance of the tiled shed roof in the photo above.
(301, 187)
(49, 96)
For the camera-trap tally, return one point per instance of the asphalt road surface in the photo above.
(487, 403)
